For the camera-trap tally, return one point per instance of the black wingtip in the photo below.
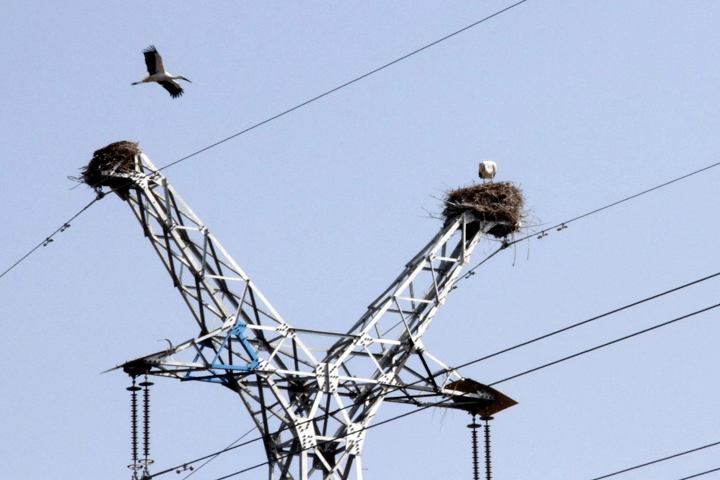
(150, 49)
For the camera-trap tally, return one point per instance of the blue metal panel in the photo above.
(239, 332)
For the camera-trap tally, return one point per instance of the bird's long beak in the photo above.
(186, 79)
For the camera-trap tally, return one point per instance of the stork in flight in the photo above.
(157, 72)
(488, 170)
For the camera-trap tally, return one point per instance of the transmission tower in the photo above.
(311, 394)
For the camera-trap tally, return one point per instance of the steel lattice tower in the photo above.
(311, 394)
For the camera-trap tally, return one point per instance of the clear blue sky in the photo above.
(579, 103)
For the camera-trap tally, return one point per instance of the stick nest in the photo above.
(118, 157)
(500, 202)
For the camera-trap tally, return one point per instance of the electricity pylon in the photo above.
(311, 394)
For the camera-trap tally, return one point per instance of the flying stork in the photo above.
(157, 72)
(488, 170)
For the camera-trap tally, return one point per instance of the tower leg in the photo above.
(304, 465)
(358, 467)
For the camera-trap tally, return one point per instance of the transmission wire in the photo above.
(584, 322)
(491, 384)
(701, 474)
(444, 371)
(45, 242)
(606, 344)
(660, 460)
(392, 419)
(49, 238)
(213, 457)
(617, 203)
(347, 83)
(469, 272)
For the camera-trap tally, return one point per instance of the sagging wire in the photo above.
(398, 417)
(49, 239)
(442, 372)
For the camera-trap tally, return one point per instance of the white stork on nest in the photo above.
(157, 72)
(488, 170)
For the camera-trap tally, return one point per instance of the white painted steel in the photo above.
(313, 411)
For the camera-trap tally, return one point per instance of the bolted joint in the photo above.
(328, 377)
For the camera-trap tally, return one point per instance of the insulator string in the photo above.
(146, 425)
(134, 427)
(488, 463)
(476, 467)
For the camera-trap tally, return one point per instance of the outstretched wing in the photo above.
(153, 60)
(173, 87)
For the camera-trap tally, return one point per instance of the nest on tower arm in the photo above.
(118, 157)
(500, 202)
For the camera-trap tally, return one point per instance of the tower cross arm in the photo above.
(238, 327)
(385, 345)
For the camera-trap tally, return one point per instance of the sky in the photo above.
(580, 104)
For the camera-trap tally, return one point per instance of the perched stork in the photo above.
(488, 170)
(157, 72)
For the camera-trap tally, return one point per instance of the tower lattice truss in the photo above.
(311, 394)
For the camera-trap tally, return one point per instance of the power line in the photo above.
(347, 83)
(618, 202)
(66, 225)
(584, 322)
(502, 381)
(392, 419)
(498, 382)
(467, 274)
(441, 372)
(49, 238)
(212, 456)
(605, 344)
(471, 272)
(661, 460)
(653, 297)
(701, 474)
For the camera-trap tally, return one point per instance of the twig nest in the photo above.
(500, 202)
(118, 157)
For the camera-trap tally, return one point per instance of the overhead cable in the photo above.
(562, 224)
(660, 460)
(347, 83)
(50, 239)
(584, 322)
(626, 337)
(701, 474)
(210, 457)
(397, 417)
(472, 362)
(501, 381)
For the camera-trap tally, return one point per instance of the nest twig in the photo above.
(500, 202)
(118, 157)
